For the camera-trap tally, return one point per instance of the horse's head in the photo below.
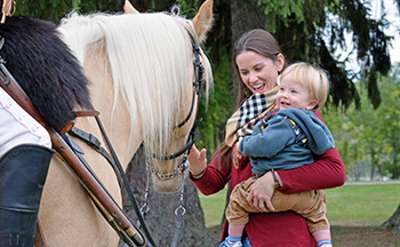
(168, 160)
(149, 65)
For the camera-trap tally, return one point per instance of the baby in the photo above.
(287, 140)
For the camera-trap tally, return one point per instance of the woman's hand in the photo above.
(197, 161)
(260, 192)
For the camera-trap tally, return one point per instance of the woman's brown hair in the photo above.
(258, 41)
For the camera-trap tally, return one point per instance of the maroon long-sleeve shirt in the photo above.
(285, 229)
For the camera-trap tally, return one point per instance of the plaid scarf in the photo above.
(241, 123)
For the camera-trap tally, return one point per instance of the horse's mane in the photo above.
(44, 67)
(151, 59)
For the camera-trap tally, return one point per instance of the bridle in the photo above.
(184, 151)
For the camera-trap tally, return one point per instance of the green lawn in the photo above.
(348, 205)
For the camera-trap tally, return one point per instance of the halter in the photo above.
(197, 84)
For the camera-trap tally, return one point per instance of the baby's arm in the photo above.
(267, 142)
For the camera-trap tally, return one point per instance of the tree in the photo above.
(393, 223)
(393, 143)
(55, 9)
(372, 133)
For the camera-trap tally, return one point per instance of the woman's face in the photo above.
(257, 72)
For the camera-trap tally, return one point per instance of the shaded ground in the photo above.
(357, 236)
(350, 236)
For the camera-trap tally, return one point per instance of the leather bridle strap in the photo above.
(197, 84)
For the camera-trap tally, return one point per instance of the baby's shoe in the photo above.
(246, 242)
(231, 242)
(324, 243)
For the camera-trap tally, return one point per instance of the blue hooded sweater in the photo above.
(287, 140)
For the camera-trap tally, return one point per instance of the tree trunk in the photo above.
(161, 218)
(245, 15)
(154, 6)
(395, 157)
(374, 163)
(393, 223)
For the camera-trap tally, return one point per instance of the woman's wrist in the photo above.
(277, 179)
(199, 174)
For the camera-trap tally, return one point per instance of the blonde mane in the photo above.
(151, 60)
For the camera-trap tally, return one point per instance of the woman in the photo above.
(259, 60)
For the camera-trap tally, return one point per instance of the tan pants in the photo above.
(311, 205)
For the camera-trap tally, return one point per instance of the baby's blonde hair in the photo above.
(312, 78)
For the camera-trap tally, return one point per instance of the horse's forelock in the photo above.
(150, 70)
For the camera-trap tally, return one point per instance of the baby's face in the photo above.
(293, 94)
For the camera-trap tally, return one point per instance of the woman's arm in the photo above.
(326, 172)
(213, 178)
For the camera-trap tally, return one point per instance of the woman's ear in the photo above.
(280, 62)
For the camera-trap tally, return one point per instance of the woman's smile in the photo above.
(257, 72)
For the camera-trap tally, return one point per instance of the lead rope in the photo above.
(180, 211)
(145, 208)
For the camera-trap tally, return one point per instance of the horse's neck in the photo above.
(114, 117)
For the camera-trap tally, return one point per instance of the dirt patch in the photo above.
(357, 236)
(350, 236)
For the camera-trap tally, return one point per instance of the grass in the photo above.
(369, 204)
(351, 205)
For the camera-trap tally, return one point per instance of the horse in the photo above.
(140, 72)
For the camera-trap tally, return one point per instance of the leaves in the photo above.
(370, 134)
(55, 9)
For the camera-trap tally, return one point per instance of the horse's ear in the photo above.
(129, 9)
(203, 20)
